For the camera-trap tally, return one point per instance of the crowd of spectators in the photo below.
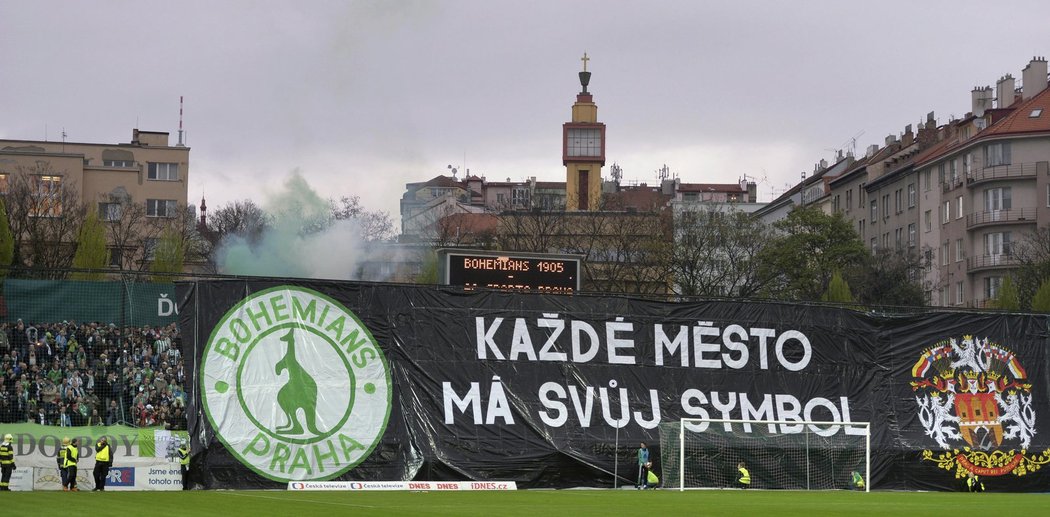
(74, 374)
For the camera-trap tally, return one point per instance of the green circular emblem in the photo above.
(294, 385)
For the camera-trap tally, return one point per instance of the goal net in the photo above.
(779, 454)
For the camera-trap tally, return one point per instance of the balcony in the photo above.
(983, 262)
(989, 217)
(1005, 172)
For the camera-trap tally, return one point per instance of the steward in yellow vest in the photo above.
(184, 464)
(103, 460)
(745, 477)
(7, 462)
(72, 456)
(62, 463)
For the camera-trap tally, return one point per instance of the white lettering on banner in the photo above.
(166, 307)
(403, 485)
(498, 406)
(712, 347)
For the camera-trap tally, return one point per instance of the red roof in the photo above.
(1019, 122)
(710, 187)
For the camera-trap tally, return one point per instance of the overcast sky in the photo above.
(363, 97)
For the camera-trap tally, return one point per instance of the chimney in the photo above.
(908, 137)
(1033, 78)
(1004, 91)
(135, 136)
(891, 139)
(752, 192)
(872, 149)
(981, 100)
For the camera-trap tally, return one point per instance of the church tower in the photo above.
(583, 150)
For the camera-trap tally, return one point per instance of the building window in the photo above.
(940, 174)
(160, 207)
(115, 257)
(997, 243)
(584, 142)
(520, 196)
(912, 194)
(874, 245)
(849, 200)
(109, 211)
(912, 235)
(898, 237)
(897, 201)
(835, 206)
(163, 171)
(997, 154)
(991, 287)
(968, 164)
(958, 250)
(886, 206)
(926, 174)
(928, 220)
(953, 171)
(875, 211)
(127, 164)
(958, 293)
(149, 248)
(996, 199)
(944, 254)
(947, 212)
(944, 296)
(47, 196)
(959, 208)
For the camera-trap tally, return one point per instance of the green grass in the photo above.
(531, 503)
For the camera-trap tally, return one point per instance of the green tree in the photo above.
(7, 241)
(91, 249)
(808, 245)
(838, 290)
(169, 256)
(1007, 298)
(1041, 299)
(891, 277)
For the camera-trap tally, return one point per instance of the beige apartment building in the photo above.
(962, 195)
(112, 179)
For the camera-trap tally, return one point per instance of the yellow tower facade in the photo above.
(583, 150)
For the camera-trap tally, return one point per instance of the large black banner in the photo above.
(310, 380)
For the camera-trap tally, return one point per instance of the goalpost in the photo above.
(779, 454)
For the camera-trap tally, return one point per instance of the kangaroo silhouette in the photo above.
(299, 393)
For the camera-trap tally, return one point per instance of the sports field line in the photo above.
(257, 496)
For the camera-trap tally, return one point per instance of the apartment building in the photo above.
(962, 194)
(101, 177)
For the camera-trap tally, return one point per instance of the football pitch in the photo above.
(531, 503)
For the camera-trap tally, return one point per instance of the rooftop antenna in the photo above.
(616, 172)
(663, 173)
(180, 144)
(454, 171)
(64, 139)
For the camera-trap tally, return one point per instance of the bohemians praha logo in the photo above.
(295, 386)
(975, 401)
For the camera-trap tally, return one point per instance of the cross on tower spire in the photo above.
(585, 59)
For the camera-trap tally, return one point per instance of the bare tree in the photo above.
(45, 215)
(131, 231)
(715, 252)
(375, 225)
(243, 218)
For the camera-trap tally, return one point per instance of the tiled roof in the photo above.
(442, 181)
(1021, 120)
(710, 187)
